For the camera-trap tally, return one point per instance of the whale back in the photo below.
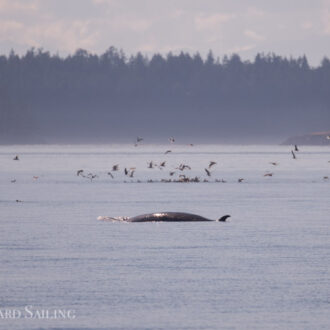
(168, 217)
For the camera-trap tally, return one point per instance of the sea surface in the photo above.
(267, 268)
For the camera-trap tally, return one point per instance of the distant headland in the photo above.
(316, 138)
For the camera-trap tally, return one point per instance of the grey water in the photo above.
(267, 268)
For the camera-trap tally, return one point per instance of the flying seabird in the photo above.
(79, 172)
(92, 176)
(151, 164)
(207, 172)
(183, 167)
(211, 164)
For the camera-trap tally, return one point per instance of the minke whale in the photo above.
(163, 217)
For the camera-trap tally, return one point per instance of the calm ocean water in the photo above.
(268, 268)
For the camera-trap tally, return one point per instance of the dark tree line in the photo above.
(86, 97)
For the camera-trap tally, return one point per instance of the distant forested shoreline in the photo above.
(112, 97)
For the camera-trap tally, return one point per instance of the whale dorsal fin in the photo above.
(224, 218)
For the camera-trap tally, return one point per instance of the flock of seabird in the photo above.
(129, 172)
(180, 170)
(181, 177)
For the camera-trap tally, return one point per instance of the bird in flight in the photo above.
(132, 173)
(80, 172)
(151, 165)
(92, 176)
(207, 172)
(211, 164)
(183, 167)
(138, 140)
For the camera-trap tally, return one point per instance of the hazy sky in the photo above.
(286, 27)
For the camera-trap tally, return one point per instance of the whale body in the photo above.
(164, 217)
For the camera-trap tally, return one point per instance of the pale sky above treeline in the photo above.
(246, 27)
